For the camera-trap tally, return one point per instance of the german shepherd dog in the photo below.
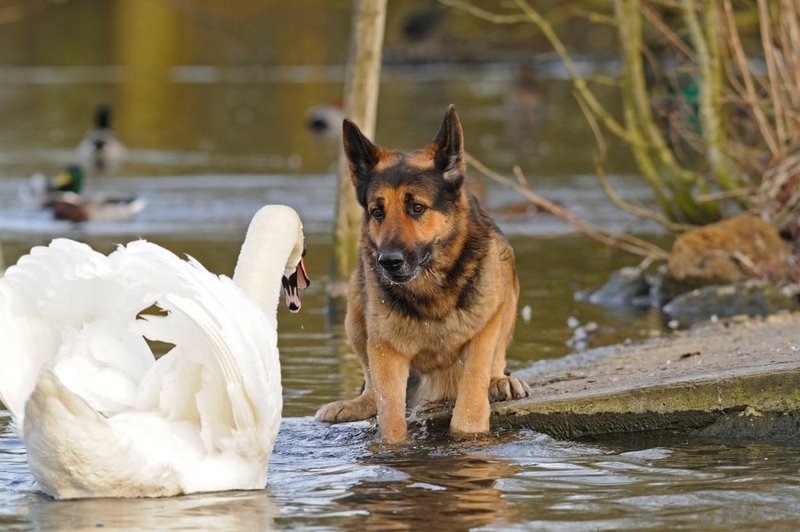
(435, 292)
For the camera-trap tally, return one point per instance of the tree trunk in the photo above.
(360, 105)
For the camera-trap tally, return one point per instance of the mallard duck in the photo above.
(62, 194)
(101, 208)
(40, 191)
(100, 416)
(100, 150)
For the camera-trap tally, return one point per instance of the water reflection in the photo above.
(250, 510)
(459, 492)
(352, 481)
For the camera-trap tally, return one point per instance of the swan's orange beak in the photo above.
(293, 284)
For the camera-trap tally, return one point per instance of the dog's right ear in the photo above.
(448, 149)
(362, 156)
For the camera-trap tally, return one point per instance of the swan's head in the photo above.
(284, 223)
(273, 249)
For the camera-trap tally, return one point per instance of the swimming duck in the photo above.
(40, 191)
(101, 208)
(100, 150)
(62, 194)
(100, 416)
(325, 120)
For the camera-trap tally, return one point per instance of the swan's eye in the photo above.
(418, 208)
(377, 213)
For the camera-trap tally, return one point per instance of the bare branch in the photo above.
(653, 18)
(624, 242)
(744, 192)
(482, 13)
(772, 69)
(735, 44)
(640, 212)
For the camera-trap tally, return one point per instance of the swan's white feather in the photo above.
(99, 414)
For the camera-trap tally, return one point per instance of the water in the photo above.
(210, 103)
(324, 478)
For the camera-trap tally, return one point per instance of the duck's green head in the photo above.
(70, 180)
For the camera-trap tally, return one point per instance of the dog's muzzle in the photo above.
(396, 266)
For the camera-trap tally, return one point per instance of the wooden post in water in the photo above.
(360, 104)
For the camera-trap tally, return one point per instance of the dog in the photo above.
(436, 290)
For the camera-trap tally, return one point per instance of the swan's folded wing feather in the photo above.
(232, 395)
(225, 348)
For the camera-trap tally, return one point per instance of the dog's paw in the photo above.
(506, 388)
(361, 407)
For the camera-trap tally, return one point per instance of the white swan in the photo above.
(100, 416)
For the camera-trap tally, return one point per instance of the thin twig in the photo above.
(532, 15)
(594, 17)
(640, 212)
(653, 18)
(622, 241)
(726, 194)
(770, 57)
(482, 13)
(735, 44)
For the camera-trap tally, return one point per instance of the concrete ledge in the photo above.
(683, 406)
(736, 379)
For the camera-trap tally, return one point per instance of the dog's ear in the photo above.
(362, 156)
(448, 149)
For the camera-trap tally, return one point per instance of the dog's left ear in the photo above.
(362, 157)
(448, 149)
(361, 153)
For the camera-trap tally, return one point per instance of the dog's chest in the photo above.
(431, 344)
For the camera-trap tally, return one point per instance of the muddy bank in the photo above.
(735, 379)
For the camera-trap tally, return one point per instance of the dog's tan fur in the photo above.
(447, 311)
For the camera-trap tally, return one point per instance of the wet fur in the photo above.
(435, 292)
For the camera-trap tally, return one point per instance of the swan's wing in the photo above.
(65, 307)
(74, 310)
(223, 373)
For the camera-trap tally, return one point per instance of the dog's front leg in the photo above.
(471, 412)
(389, 373)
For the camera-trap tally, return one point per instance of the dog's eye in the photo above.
(377, 213)
(418, 208)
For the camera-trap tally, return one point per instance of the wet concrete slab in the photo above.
(734, 379)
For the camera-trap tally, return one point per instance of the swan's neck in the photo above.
(262, 260)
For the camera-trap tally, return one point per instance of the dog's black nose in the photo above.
(391, 260)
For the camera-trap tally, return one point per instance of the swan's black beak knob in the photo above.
(293, 284)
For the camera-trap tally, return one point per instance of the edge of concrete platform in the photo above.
(737, 403)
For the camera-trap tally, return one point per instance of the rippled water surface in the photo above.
(338, 478)
(210, 102)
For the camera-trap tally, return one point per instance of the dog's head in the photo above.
(408, 197)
